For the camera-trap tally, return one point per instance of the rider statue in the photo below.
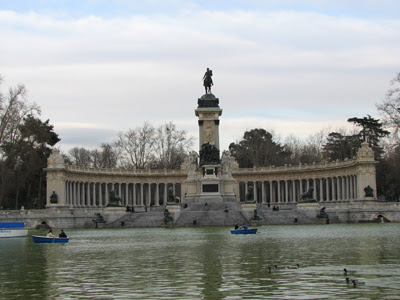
(207, 81)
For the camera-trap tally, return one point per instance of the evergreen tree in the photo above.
(25, 160)
(257, 149)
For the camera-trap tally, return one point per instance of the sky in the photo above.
(296, 68)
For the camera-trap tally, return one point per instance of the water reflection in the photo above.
(207, 263)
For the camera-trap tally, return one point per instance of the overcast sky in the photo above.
(294, 67)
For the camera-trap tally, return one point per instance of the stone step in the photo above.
(210, 218)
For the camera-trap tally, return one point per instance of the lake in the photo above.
(206, 263)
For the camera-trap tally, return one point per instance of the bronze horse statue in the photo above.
(207, 81)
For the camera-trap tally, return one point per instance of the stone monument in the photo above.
(209, 174)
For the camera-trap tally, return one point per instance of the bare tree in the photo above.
(390, 106)
(81, 157)
(136, 146)
(13, 108)
(305, 151)
(108, 157)
(171, 146)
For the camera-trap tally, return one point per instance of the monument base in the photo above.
(114, 209)
(255, 223)
(173, 208)
(308, 205)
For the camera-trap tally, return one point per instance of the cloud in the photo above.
(90, 138)
(292, 70)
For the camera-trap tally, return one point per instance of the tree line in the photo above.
(26, 142)
(143, 147)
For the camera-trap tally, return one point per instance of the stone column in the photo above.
(350, 181)
(141, 193)
(271, 192)
(327, 188)
(66, 192)
(149, 194)
(88, 194)
(126, 193)
(94, 193)
(294, 192)
(134, 194)
(263, 200)
(70, 193)
(100, 194)
(165, 193)
(321, 189)
(344, 188)
(157, 199)
(73, 193)
(279, 190)
(107, 195)
(78, 194)
(255, 191)
(351, 187)
(246, 190)
(341, 188)
(83, 201)
(315, 188)
(285, 182)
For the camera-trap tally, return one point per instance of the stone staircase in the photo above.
(227, 213)
(210, 218)
(213, 214)
(138, 219)
(287, 216)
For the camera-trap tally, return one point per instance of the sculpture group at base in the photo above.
(307, 197)
(115, 201)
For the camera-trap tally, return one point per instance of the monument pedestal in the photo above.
(308, 205)
(209, 177)
(114, 209)
(173, 208)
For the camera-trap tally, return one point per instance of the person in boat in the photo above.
(245, 227)
(62, 234)
(50, 233)
(236, 226)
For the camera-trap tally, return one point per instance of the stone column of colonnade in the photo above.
(340, 188)
(96, 194)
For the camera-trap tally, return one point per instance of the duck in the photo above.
(292, 267)
(350, 280)
(279, 267)
(357, 283)
(349, 271)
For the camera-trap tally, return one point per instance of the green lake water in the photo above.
(205, 263)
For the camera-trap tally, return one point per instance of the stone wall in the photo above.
(338, 212)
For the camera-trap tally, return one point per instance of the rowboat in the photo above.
(244, 231)
(48, 240)
(12, 229)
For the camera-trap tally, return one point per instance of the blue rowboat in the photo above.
(12, 229)
(48, 240)
(244, 231)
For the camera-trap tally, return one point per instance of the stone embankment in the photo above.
(218, 214)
